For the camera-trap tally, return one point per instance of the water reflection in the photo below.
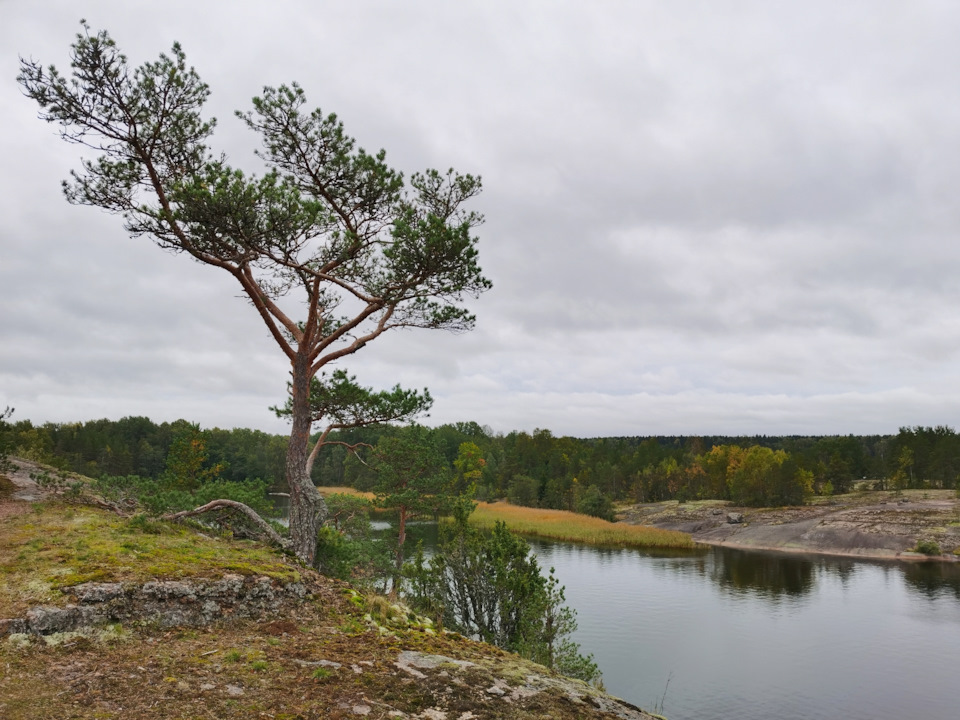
(761, 575)
(739, 573)
(933, 580)
(751, 635)
(771, 576)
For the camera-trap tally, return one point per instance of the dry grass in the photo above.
(342, 490)
(572, 527)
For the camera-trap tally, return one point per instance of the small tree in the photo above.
(490, 586)
(903, 475)
(348, 548)
(187, 467)
(469, 464)
(412, 478)
(365, 251)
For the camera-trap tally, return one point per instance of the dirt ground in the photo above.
(866, 524)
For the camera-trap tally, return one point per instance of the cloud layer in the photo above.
(704, 217)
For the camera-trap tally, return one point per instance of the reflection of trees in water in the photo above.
(758, 574)
(844, 569)
(932, 580)
(776, 576)
(765, 575)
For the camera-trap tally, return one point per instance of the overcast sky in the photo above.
(708, 217)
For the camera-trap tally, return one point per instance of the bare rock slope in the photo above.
(869, 525)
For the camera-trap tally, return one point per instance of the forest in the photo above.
(535, 469)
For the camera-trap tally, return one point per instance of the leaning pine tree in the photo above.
(330, 245)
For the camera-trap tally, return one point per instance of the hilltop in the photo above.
(103, 616)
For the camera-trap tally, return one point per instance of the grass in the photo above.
(57, 546)
(342, 490)
(573, 527)
(239, 669)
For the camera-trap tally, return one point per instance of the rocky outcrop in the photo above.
(166, 603)
(867, 524)
(505, 688)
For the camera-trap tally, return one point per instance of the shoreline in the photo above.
(905, 556)
(875, 525)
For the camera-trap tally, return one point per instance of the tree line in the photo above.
(536, 469)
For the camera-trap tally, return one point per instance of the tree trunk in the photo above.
(307, 508)
(398, 560)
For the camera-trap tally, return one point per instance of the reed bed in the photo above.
(343, 490)
(573, 527)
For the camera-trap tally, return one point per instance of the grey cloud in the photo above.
(702, 217)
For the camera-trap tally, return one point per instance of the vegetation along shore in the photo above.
(572, 527)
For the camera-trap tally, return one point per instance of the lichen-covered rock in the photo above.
(12, 626)
(165, 602)
(504, 688)
(93, 592)
(45, 620)
(169, 589)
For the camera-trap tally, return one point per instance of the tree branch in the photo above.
(261, 299)
(356, 344)
(262, 524)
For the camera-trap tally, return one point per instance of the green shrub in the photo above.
(928, 547)
(157, 498)
(5, 464)
(346, 547)
(595, 503)
(143, 524)
(490, 585)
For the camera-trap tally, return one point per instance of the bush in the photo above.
(5, 464)
(928, 547)
(156, 498)
(595, 503)
(489, 585)
(524, 490)
(346, 547)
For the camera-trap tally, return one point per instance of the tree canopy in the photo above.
(330, 245)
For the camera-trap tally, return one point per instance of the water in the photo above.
(751, 635)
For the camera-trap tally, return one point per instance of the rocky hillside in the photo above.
(103, 616)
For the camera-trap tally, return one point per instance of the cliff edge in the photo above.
(103, 616)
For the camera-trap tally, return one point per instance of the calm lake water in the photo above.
(751, 635)
(754, 636)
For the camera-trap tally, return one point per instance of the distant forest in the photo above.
(537, 469)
